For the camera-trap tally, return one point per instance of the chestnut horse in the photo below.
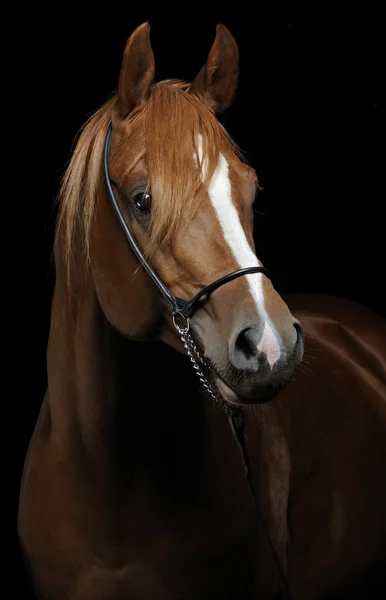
(133, 486)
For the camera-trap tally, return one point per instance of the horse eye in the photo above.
(142, 202)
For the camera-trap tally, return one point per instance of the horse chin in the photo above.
(232, 396)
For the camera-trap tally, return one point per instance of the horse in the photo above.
(133, 484)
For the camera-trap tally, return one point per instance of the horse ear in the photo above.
(137, 71)
(217, 81)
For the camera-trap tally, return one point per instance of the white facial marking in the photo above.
(220, 193)
(269, 344)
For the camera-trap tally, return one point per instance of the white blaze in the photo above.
(220, 193)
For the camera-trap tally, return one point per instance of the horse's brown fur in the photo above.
(133, 485)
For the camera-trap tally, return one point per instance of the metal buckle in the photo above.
(181, 330)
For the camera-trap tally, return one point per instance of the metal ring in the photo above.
(180, 329)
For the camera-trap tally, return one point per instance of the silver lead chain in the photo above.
(236, 419)
(196, 359)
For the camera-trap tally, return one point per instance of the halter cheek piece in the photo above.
(181, 311)
(178, 306)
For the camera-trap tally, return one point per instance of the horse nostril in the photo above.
(299, 331)
(244, 353)
(245, 343)
(299, 345)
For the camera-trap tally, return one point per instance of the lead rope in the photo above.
(237, 425)
(236, 420)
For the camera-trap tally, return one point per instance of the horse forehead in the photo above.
(229, 166)
(241, 176)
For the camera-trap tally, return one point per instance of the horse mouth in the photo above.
(231, 396)
(227, 392)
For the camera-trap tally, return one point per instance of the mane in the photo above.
(165, 131)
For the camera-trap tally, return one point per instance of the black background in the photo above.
(309, 114)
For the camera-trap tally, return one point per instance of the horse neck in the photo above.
(108, 396)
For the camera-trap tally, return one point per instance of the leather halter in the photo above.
(178, 306)
(184, 309)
